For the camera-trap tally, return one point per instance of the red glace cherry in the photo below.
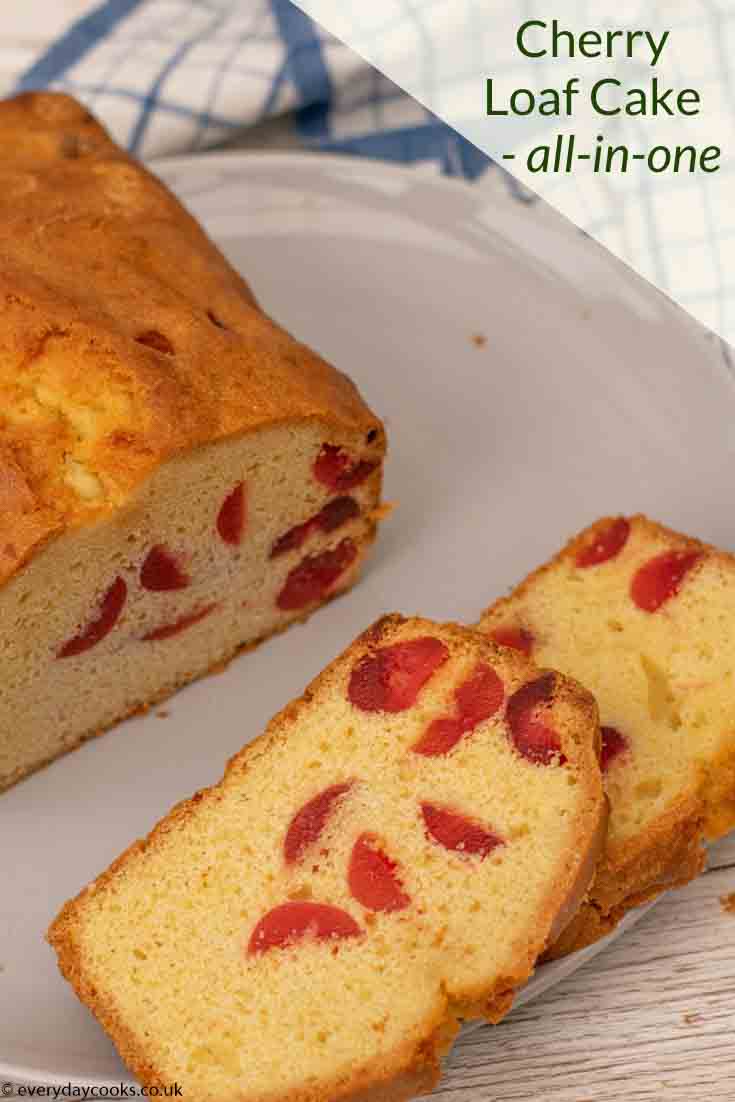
(309, 822)
(606, 544)
(232, 516)
(660, 579)
(165, 631)
(296, 921)
(517, 638)
(314, 576)
(390, 679)
(110, 608)
(613, 745)
(162, 571)
(373, 877)
(476, 699)
(458, 833)
(532, 738)
(338, 472)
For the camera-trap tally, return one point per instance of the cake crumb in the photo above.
(382, 511)
(479, 340)
(302, 891)
(692, 1018)
(163, 713)
(727, 902)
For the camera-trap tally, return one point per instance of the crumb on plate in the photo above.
(727, 903)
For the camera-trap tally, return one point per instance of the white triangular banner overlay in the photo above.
(674, 226)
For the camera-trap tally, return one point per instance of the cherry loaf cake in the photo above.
(178, 476)
(645, 618)
(392, 855)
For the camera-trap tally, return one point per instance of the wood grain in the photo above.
(650, 1019)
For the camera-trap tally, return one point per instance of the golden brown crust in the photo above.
(126, 337)
(675, 857)
(585, 877)
(412, 1067)
(719, 810)
(670, 852)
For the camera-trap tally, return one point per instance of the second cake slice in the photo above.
(392, 855)
(644, 617)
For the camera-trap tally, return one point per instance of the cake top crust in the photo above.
(126, 336)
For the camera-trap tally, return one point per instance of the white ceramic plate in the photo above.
(591, 394)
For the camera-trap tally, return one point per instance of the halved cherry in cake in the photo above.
(660, 579)
(533, 738)
(336, 470)
(334, 514)
(232, 516)
(391, 678)
(337, 512)
(517, 638)
(165, 631)
(296, 921)
(476, 700)
(309, 822)
(161, 571)
(613, 745)
(480, 696)
(459, 833)
(606, 544)
(441, 736)
(373, 877)
(293, 538)
(315, 575)
(110, 608)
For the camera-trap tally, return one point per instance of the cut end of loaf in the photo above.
(179, 476)
(219, 550)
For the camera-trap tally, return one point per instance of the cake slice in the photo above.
(392, 855)
(178, 476)
(645, 618)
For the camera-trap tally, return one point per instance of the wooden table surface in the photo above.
(651, 1019)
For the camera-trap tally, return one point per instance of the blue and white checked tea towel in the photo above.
(173, 76)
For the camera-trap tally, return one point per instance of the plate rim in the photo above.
(501, 193)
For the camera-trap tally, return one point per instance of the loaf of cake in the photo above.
(390, 857)
(645, 618)
(178, 476)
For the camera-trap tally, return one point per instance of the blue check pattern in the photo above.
(171, 76)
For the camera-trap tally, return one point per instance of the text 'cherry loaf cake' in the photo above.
(392, 854)
(178, 476)
(645, 618)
